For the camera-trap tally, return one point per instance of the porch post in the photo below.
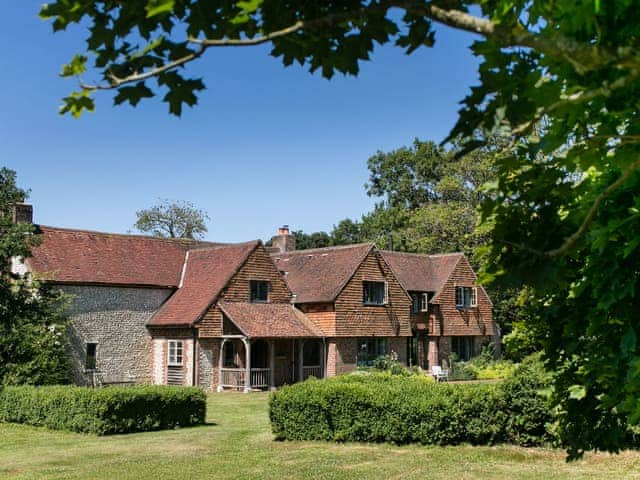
(323, 361)
(247, 377)
(300, 360)
(220, 357)
(272, 365)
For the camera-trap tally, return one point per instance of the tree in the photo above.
(170, 219)
(560, 79)
(32, 320)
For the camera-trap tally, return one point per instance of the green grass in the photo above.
(238, 444)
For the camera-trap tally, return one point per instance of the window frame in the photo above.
(424, 302)
(465, 344)
(466, 297)
(178, 353)
(87, 366)
(385, 293)
(257, 284)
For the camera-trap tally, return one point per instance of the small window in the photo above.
(175, 353)
(424, 302)
(90, 359)
(371, 348)
(259, 291)
(374, 293)
(466, 297)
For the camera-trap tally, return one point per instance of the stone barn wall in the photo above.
(115, 319)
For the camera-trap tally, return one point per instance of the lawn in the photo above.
(237, 443)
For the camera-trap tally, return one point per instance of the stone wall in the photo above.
(114, 318)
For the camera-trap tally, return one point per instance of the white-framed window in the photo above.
(466, 297)
(369, 349)
(424, 302)
(375, 293)
(175, 353)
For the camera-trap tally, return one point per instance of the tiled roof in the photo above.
(320, 274)
(79, 256)
(269, 320)
(207, 271)
(422, 273)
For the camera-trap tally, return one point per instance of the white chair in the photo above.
(439, 373)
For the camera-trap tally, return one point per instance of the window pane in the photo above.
(373, 293)
(259, 291)
(90, 361)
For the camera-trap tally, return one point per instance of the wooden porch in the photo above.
(259, 364)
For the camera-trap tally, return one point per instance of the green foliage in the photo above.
(32, 319)
(170, 219)
(103, 411)
(410, 409)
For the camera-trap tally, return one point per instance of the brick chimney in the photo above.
(22, 213)
(284, 241)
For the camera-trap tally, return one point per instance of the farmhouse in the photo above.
(242, 316)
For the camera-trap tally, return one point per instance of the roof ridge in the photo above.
(323, 249)
(224, 245)
(425, 255)
(181, 241)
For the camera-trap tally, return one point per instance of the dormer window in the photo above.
(466, 297)
(259, 291)
(420, 302)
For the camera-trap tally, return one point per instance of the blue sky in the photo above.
(266, 145)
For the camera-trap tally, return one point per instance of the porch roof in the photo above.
(270, 320)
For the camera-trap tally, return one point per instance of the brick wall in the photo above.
(115, 318)
(342, 353)
(209, 355)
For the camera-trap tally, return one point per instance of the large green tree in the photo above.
(32, 320)
(559, 78)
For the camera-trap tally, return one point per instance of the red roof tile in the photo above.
(422, 273)
(78, 256)
(269, 320)
(207, 271)
(320, 274)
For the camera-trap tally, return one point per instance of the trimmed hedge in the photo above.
(387, 408)
(103, 411)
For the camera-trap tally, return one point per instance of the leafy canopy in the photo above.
(560, 79)
(32, 320)
(173, 219)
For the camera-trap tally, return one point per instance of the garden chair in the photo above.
(439, 373)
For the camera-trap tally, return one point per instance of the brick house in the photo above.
(351, 294)
(161, 311)
(450, 313)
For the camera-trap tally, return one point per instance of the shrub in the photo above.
(398, 409)
(103, 411)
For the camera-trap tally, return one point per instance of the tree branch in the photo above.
(572, 239)
(583, 57)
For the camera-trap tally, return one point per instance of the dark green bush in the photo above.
(397, 409)
(103, 411)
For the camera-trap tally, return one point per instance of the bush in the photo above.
(103, 411)
(399, 409)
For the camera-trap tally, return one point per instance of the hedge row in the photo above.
(103, 411)
(388, 408)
